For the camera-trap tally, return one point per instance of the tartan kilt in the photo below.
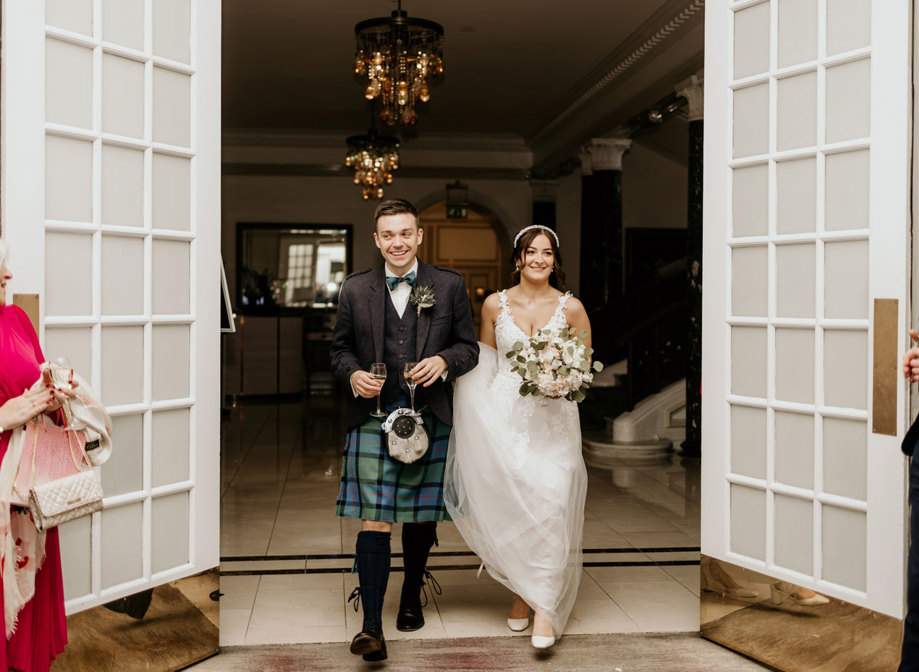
(376, 487)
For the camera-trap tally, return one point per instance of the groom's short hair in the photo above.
(394, 206)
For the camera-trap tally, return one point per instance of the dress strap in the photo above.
(563, 299)
(503, 296)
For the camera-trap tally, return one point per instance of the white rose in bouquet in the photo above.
(554, 364)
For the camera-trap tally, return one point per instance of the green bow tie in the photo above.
(393, 281)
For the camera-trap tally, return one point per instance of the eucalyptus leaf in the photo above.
(598, 366)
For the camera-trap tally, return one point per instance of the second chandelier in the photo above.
(399, 56)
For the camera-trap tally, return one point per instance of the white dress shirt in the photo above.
(400, 294)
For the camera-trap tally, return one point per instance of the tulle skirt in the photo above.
(515, 486)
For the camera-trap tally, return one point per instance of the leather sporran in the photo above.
(405, 436)
(52, 481)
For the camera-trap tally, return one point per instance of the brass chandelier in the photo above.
(374, 158)
(399, 56)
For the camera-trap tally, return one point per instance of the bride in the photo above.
(516, 482)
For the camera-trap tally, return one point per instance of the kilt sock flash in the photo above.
(417, 539)
(373, 558)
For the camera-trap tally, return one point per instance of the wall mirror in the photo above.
(290, 267)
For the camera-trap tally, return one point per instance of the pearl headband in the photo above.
(536, 226)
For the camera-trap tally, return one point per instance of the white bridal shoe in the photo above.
(540, 642)
(518, 624)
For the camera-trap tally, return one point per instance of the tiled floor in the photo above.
(285, 555)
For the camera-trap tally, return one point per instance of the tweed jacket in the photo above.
(444, 329)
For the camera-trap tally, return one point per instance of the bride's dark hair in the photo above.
(557, 277)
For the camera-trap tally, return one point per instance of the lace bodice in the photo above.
(507, 332)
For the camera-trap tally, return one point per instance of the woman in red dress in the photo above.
(38, 632)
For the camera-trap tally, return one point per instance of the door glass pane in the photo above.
(68, 179)
(796, 183)
(68, 84)
(122, 275)
(748, 522)
(751, 41)
(68, 274)
(748, 361)
(845, 368)
(794, 449)
(748, 441)
(749, 281)
(750, 200)
(845, 458)
(848, 115)
(122, 365)
(846, 285)
(847, 190)
(124, 470)
(751, 120)
(170, 446)
(797, 111)
(122, 554)
(848, 25)
(170, 531)
(794, 365)
(844, 547)
(122, 186)
(171, 354)
(123, 23)
(796, 280)
(797, 31)
(122, 96)
(794, 534)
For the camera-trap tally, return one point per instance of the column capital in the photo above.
(603, 154)
(693, 90)
(544, 191)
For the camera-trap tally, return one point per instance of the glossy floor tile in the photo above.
(286, 558)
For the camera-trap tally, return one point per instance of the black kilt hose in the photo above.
(368, 329)
(376, 487)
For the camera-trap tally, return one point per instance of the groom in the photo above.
(383, 318)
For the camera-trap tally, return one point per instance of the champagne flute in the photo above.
(378, 372)
(62, 373)
(410, 381)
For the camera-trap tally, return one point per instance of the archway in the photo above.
(475, 247)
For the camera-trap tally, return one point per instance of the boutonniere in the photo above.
(422, 297)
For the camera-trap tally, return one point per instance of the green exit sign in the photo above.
(456, 211)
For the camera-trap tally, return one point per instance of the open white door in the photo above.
(111, 205)
(807, 217)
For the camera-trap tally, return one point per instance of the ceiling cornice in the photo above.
(656, 30)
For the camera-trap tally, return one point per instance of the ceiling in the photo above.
(549, 73)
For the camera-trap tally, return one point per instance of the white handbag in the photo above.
(64, 499)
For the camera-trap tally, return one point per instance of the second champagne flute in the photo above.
(410, 381)
(378, 372)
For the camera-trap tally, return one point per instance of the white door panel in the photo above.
(110, 182)
(806, 223)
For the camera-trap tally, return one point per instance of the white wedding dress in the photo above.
(515, 481)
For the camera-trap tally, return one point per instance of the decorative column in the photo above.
(601, 220)
(545, 195)
(692, 90)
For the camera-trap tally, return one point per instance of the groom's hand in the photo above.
(429, 370)
(365, 385)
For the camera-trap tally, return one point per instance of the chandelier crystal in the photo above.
(399, 57)
(374, 158)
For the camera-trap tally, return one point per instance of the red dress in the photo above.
(41, 630)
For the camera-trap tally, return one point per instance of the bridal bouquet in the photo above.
(554, 364)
